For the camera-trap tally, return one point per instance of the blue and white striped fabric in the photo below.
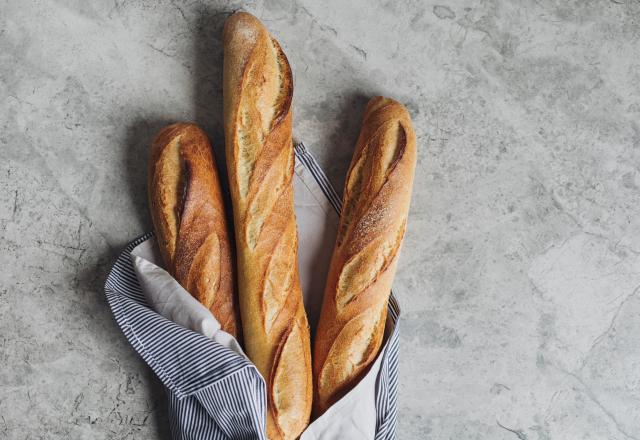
(213, 392)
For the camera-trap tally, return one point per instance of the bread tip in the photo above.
(178, 128)
(242, 15)
(241, 22)
(381, 101)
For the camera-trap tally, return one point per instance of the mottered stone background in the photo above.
(520, 270)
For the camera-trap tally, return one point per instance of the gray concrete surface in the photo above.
(520, 271)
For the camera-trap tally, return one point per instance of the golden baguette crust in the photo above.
(257, 91)
(376, 204)
(187, 210)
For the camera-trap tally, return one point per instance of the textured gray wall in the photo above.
(521, 266)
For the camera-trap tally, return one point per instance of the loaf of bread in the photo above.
(188, 214)
(372, 224)
(257, 92)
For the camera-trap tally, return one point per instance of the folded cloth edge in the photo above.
(117, 300)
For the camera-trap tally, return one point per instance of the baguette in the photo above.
(187, 210)
(257, 92)
(374, 216)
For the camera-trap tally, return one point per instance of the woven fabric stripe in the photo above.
(243, 415)
(188, 420)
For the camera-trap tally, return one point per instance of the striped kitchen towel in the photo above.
(213, 392)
